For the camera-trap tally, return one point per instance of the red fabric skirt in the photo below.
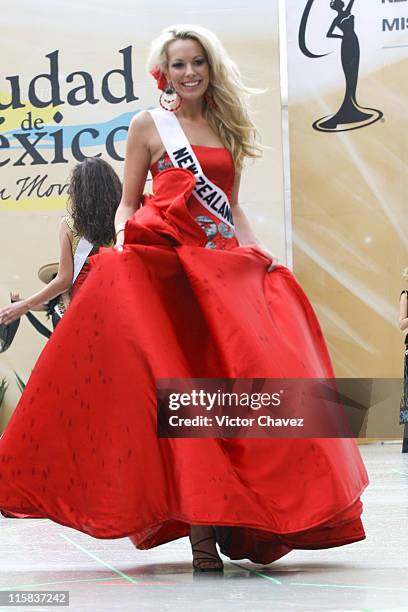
(81, 447)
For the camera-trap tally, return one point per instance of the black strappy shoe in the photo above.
(209, 556)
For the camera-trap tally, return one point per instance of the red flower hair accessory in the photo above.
(160, 78)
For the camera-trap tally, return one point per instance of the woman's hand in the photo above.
(14, 311)
(267, 253)
(120, 237)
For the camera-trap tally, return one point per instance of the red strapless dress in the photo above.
(81, 447)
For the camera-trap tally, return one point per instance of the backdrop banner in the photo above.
(348, 123)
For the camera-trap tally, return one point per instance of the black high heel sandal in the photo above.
(209, 556)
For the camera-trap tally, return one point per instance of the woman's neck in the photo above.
(191, 110)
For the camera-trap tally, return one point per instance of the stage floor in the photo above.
(105, 575)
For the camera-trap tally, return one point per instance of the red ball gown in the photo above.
(182, 300)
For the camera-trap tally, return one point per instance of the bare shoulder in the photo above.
(141, 124)
(65, 229)
(65, 224)
(141, 133)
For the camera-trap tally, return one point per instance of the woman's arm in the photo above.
(137, 162)
(403, 315)
(15, 297)
(62, 282)
(243, 230)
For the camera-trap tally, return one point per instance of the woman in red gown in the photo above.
(183, 295)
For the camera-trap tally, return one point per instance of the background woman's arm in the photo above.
(62, 282)
(403, 316)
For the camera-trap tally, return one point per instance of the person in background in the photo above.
(94, 194)
(403, 324)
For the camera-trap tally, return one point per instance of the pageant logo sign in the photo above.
(34, 133)
(350, 115)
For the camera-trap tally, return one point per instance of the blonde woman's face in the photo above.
(188, 68)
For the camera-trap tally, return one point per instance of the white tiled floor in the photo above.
(104, 575)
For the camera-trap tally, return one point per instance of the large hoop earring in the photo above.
(170, 100)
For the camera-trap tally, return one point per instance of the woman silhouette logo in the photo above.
(350, 116)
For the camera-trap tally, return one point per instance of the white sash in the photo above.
(82, 251)
(182, 156)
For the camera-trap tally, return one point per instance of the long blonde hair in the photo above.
(230, 117)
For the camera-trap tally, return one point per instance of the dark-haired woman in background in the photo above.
(94, 194)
